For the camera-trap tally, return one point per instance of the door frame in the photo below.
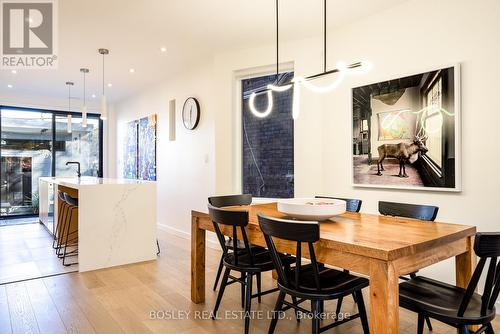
(54, 114)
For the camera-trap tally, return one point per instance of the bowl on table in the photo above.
(317, 209)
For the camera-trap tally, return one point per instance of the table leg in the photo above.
(384, 298)
(464, 267)
(197, 262)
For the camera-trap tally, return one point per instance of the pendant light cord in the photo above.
(84, 97)
(277, 42)
(324, 37)
(103, 74)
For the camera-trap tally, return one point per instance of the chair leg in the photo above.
(221, 292)
(243, 278)
(428, 322)
(259, 286)
(276, 312)
(297, 316)
(489, 329)
(420, 326)
(219, 272)
(339, 305)
(464, 330)
(362, 312)
(315, 316)
(248, 302)
(354, 298)
(158, 251)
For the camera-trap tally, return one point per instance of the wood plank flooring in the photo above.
(26, 252)
(121, 299)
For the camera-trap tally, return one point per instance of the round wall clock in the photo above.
(191, 113)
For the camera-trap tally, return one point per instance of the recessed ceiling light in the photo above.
(163, 49)
(9, 86)
(13, 72)
(110, 84)
(93, 96)
(132, 70)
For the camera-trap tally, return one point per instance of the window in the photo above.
(36, 143)
(433, 123)
(267, 143)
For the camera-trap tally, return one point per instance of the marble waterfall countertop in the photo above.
(77, 182)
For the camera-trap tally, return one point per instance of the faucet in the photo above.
(75, 163)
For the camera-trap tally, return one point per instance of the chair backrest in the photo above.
(230, 200)
(422, 212)
(291, 230)
(236, 219)
(352, 204)
(486, 247)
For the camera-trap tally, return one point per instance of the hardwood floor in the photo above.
(26, 252)
(121, 299)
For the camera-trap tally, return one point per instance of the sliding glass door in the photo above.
(26, 155)
(37, 143)
(81, 144)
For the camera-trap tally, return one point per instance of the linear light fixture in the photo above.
(342, 69)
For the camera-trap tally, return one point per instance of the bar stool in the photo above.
(67, 236)
(60, 218)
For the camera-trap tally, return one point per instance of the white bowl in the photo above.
(316, 209)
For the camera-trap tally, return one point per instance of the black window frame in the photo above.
(56, 113)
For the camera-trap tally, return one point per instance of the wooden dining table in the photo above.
(381, 247)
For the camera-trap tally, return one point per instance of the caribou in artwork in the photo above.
(402, 152)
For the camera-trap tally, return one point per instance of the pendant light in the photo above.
(69, 121)
(84, 106)
(104, 102)
(342, 69)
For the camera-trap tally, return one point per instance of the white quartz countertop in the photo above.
(84, 181)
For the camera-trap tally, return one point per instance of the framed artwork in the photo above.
(140, 149)
(406, 132)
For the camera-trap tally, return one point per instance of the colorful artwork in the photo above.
(147, 148)
(395, 124)
(140, 149)
(130, 151)
(406, 132)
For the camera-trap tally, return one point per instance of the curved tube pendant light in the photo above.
(265, 113)
(342, 70)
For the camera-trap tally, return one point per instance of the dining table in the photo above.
(382, 248)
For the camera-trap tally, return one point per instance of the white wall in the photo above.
(416, 36)
(185, 167)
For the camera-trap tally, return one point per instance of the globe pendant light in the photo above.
(84, 106)
(69, 121)
(104, 102)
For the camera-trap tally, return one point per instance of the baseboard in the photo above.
(211, 241)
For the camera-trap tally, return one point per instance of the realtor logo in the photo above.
(28, 34)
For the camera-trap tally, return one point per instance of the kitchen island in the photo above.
(116, 218)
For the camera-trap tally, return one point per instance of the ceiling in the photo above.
(191, 30)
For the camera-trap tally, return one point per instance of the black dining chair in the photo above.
(406, 210)
(249, 262)
(416, 211)
(352, 204)
(225, 201)
(456, 306)
(309, 282)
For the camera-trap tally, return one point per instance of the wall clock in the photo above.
(191, 113)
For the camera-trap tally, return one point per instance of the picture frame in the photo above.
(437, 111)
